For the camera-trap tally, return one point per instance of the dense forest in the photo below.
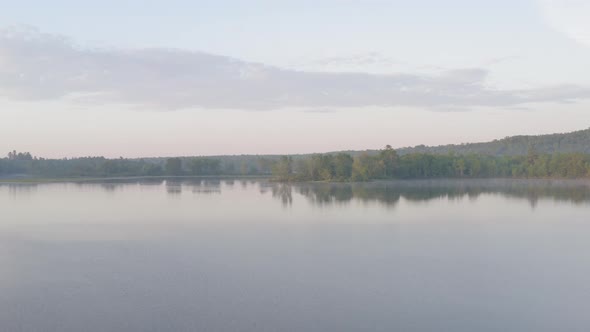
(387, 164)
(544, 156)
(26, 165)
(574, 142)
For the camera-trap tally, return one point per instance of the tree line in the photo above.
(24, 164)
(573, 142)
(382, 164)
(387, 164)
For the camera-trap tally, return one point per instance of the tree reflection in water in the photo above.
(284, 192)
(389, 193)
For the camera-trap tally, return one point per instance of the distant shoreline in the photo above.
(580, 180)
(31, 180)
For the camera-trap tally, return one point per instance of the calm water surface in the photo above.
(243, 255)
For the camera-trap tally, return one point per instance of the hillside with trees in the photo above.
(387, 164)
(574, 142)
(545, 156)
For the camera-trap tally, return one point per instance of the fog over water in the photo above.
(252, 255)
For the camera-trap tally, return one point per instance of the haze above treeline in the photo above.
(555, 155)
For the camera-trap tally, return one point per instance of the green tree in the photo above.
(283, 169)
(343, 167)
(389, 161)
(460, 167)
(364, 168)
(174, 166)
(151, 170)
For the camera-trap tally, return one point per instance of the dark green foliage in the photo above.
(283, 169)
(204, 166)
(24, 164)
(13, 155)
(366, 167)
(574, 142)
(383, 164)
(174, 166)
(387, 165)
(343, 166)
(389, 159)
(78, 167)
(152, 170)
(324, 167)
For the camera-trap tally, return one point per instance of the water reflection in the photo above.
(204, 186)
(283, 192)
(151, 182)
(174, 187)
(390, 192)
(110, 187)
(120, 256)
(387, 193)
(15, 190)
(244, 184)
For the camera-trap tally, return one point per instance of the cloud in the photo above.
(39, 66)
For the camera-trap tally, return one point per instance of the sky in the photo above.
(178, 77)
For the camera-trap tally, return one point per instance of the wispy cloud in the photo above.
(39, 66)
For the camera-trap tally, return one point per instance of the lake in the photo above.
(252, 255)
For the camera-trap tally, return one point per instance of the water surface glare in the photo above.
(251, 255)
